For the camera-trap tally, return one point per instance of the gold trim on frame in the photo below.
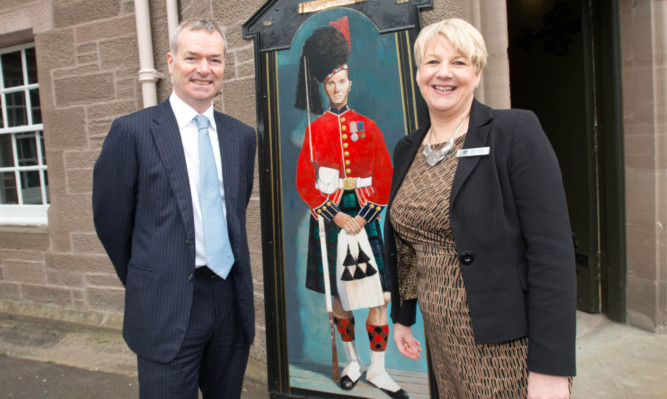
(319, 5)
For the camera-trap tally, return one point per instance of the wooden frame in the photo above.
(382, 70)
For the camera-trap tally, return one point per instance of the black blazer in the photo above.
(512, 234)
(142, 210)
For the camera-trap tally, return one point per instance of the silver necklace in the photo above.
(434, 157)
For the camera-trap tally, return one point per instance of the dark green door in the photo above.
(552, 74)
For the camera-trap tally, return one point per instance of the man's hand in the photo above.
(351, 225)
(544, 386)
(406, 343)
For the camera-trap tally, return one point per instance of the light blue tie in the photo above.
(219, 256)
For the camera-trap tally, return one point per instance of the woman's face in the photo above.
(446, 78)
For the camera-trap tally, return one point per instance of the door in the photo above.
(552, 73)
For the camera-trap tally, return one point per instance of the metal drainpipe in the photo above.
(148, 75)
(172, 17)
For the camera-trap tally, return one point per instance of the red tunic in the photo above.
(334, 147)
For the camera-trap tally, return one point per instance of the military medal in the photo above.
(354, 130)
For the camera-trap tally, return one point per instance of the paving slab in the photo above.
(48, 359)
(22, 378)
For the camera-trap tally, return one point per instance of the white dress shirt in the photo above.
(189, 135)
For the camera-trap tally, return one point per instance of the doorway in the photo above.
(563, 61)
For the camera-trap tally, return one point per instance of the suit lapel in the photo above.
(478, 135)
(167, 137)
(229, 160)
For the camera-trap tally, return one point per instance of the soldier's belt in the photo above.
(350, 183)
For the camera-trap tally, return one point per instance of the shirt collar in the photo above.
(185, 113)
(335, 110)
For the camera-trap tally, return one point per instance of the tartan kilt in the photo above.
(314, 272)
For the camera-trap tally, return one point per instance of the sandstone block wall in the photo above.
(87, 58)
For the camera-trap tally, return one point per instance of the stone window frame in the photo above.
(18, 209)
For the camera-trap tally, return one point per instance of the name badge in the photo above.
(473, 152)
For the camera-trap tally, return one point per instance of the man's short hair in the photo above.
(198, 24)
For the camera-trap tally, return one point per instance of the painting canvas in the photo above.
(351, 119)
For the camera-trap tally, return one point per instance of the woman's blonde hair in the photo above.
(461, 35)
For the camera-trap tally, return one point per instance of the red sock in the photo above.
(377, 336)
(345, 327)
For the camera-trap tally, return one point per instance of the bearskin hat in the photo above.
(325, 50)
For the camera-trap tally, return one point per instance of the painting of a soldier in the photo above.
(344, 176)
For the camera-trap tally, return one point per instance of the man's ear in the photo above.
(170, 63)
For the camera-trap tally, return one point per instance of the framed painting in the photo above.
(335, 92)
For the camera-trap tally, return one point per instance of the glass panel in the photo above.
(6, 151)
(46, 188)
(12, 69)
(16, 109)
(41, 143)
(8, 194)
(31, 188)
(34, 104)
(27, 149)
(2, 120)
(32, 65)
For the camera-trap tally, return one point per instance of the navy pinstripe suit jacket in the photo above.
(143, 216)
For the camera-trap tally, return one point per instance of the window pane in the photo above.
(34, 104)
(32, 65)
(12, 69)
(30, 187)
(2, 121)
(6, 151)
(8, 194)
(16, 112)
(46, 182)
(27, 149)
(41, 143)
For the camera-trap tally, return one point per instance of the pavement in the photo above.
(47, 359)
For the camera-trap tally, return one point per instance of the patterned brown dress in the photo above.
(420, 218)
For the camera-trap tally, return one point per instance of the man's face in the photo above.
(337, 88)
(197, 66)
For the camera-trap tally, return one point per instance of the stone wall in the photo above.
(644, 74)
(87, 65)
(87, 58)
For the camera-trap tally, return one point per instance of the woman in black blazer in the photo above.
(478, 232)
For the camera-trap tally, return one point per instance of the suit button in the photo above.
(467, 257)
(190, 277)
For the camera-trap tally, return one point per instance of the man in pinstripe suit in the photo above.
(190, 326)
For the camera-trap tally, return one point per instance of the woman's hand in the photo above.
(406, 343)
(545, 386)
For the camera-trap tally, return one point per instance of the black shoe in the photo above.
(346, 383)
(400, 394)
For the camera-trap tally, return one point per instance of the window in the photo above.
(24, 188)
